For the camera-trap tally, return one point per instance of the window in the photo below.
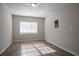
(28, 27)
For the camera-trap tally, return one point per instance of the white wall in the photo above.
(67, 35)
(25, 37)
(5, 28)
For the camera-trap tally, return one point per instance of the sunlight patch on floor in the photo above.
(46, 50)
(36, 49)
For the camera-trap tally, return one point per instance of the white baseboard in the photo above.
(63, 48)
(26, 40)
(5, 48)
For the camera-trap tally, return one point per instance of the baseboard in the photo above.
(25, 40)
(63, 48)
(5, 48)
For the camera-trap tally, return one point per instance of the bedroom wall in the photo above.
(67, 35)
(5, 28)
(25, 37)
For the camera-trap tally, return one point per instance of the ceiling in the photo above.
(41, 9)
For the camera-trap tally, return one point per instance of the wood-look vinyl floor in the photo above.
(34, 48)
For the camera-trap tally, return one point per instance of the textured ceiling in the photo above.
(41, 9)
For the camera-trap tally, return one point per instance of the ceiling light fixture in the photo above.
(33, 4)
